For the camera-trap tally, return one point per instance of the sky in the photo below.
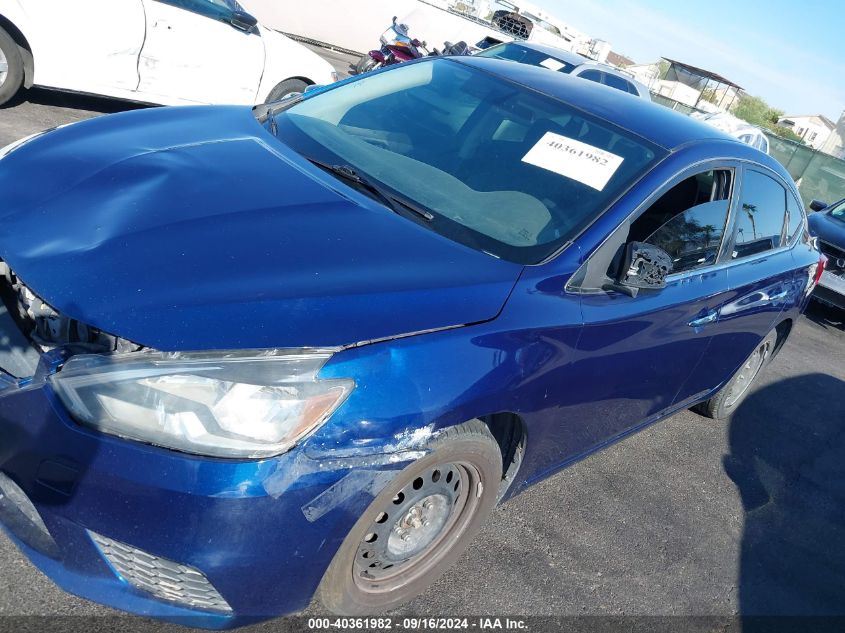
(788, 53)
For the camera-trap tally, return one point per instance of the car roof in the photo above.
(656, 123)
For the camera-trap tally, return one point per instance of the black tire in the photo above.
(729, 397)
(365, 65)
(465, 465)
(14, 75)
(287, 87)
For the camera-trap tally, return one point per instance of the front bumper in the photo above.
(831, 289)
(261, 532)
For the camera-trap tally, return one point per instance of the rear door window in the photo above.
(619, 83)
(759, 224)
(592, 75)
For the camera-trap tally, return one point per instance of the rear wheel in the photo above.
(418, 525)
(286, 88)
(728, 398)
(11, 67)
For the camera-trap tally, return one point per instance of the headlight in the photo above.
(239, 404)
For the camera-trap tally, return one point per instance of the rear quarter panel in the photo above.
(285, 59)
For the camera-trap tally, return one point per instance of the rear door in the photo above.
(761, 278)
(86, 45)
(192, 53)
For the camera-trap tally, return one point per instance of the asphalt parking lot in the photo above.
(688, 517)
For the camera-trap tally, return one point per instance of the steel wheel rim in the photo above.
(4, 67)
(747, 373)
(384, 561)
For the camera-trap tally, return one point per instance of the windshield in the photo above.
(500, 167)
(523, 55)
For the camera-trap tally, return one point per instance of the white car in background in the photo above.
(736, 127)
(169, 52)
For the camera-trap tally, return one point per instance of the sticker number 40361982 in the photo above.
(591, 166)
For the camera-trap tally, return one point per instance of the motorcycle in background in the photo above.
(397, 46)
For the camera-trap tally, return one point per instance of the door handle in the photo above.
(710, 317)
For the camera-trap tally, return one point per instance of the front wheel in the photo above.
(365, 65)
(11, 67)
(287, 88)
(418, 526)
(728, 398)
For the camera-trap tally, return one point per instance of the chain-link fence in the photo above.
(819, 176)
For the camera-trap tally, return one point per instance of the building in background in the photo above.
(835, 144)
(620, 61)
(355, 25)
(814, 129)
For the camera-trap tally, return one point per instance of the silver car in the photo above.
(567, 62)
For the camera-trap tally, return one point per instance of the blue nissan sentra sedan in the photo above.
(254, 356)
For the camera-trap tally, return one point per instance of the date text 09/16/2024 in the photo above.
(417, 624)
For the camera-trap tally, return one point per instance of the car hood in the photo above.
(827, 228)
(193, 228)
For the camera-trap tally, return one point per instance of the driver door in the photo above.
(639, 351)
(192, 53)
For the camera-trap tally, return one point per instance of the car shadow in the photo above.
(70, 100)
(825, 315)
(787, 459)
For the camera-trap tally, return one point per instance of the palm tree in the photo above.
(708, 230)
(750, 210)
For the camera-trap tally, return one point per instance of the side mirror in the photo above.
(644, 267)
(394, 19)
(243, 21)
(818, 205)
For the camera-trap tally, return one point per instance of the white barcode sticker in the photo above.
(584, 163)
(552, 64)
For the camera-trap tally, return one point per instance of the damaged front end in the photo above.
(46, 328)
(230, 404)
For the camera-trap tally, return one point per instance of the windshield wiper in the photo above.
(392, 202)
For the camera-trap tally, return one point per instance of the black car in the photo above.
(828, 225)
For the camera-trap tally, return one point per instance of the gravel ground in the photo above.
(688, 517)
